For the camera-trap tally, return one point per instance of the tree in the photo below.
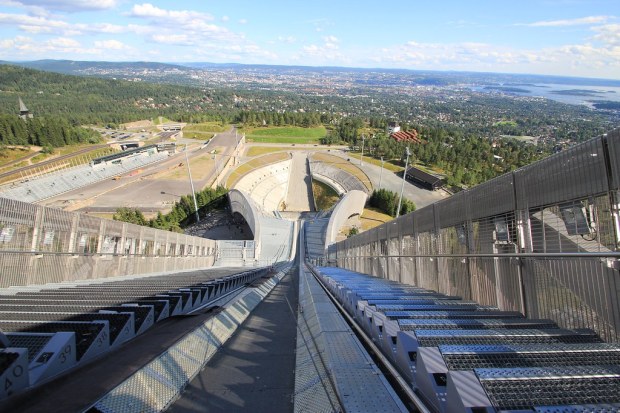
(387, 201)
(131, 215)
(353, 231)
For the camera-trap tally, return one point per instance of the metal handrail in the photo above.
(506, 255)
(99, 254)
(382, 361)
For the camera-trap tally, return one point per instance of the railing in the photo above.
(35, 268)
(542, 240)
(40, 245)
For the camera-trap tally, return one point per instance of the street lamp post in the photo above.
(217, 165)
(361, 157)
(402, 188)
(191, 182)
(381, 174)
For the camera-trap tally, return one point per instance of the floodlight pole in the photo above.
(191, 182)
(402, 188)
(381, 174)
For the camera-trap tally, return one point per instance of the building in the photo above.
(24, 113)
(393, 127)
(424, 179)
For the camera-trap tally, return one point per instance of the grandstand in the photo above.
(339, 179)
(267, 185)
(99, 169)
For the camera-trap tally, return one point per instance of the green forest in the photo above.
(90, 100)
(43, 131)
(468, 140)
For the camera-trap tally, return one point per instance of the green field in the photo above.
(8, 155)
(263, 150)
(161, 119)
(205, 127)
(506, 123)
(522, 138)
(325, 196)
(291, 134)
(203, 131)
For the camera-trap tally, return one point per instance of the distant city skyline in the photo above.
(551, 37)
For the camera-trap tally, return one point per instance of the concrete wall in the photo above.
(352, 203)
(241, 203)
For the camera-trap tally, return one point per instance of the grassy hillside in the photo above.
(86, 100)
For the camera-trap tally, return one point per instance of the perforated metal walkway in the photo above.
(255, 370)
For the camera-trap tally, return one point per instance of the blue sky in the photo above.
(558, 37)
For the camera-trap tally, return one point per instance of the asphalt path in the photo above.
(390, 180)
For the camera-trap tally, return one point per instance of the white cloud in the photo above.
(29, 48)
(63, 43)
(182, 26)
(111, 45)
(609, 33)
(177, 39)
(331, 42)
(287, 39)
(225, 18)
(569, 60)
(243, 21)
(68, 5)
(325, 54)
(155, 13)
(312, 49)
(590, 20)
(34, 24)
(43, 24)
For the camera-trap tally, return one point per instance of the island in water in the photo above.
(580, 92)
(507, 89)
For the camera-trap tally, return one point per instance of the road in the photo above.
(420, 196)
(145, 190)
(150, 193)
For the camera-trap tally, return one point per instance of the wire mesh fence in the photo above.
(542, 240)
(40, 245)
